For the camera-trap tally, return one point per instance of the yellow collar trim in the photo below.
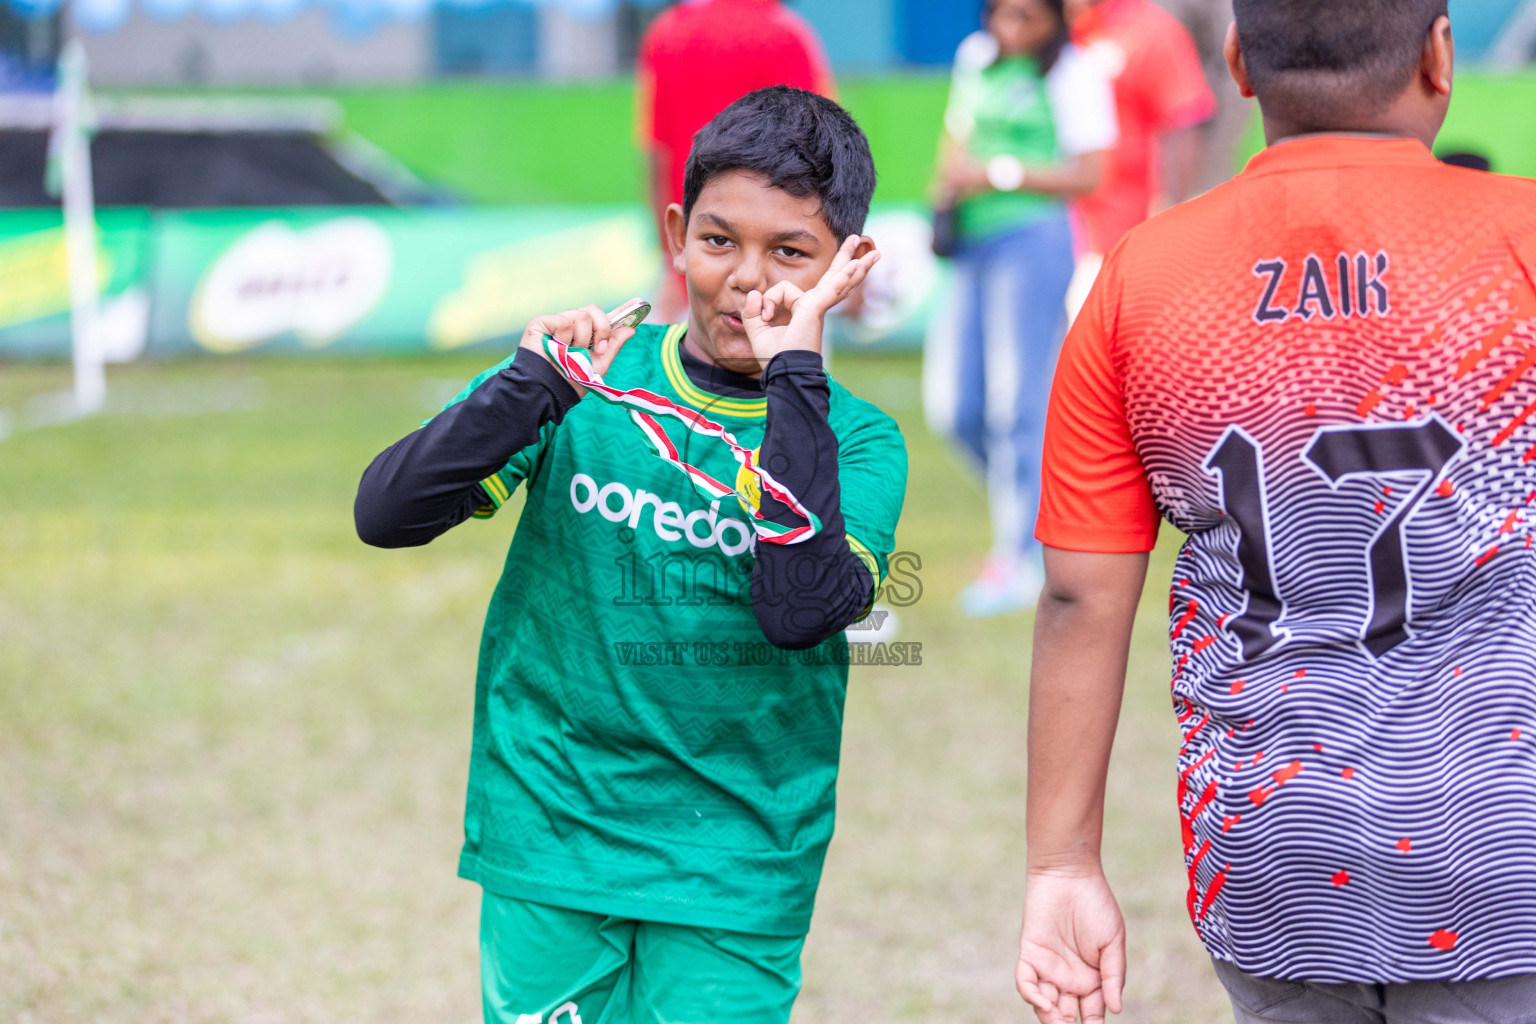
(704, 401)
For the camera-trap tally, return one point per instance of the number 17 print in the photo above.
(1339, 454)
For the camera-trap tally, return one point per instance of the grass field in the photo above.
(233, 740)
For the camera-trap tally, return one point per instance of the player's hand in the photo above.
(786, 318)
(1072, 947)
(586, 328)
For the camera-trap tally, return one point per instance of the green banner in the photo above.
(34, 282)
(368, 281)
(385, 280)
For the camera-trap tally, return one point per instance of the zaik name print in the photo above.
(1345, 286)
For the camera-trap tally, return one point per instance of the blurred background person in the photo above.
(1223, 135)
(1028, 125)
(1162, 99)
(696, 59)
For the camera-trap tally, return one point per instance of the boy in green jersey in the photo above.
(659, 699)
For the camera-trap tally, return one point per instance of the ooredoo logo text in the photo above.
(703, 528)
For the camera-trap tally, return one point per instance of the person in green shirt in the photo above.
(660, 692)
(1028, 123)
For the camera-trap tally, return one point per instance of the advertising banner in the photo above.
(353, 281)
(34, 284)
(368, 281)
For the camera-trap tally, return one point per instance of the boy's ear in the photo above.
(866, 246)
(1233, 50)
(1438, 62)
(676, 229)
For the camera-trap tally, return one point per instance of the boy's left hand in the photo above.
(801, 313)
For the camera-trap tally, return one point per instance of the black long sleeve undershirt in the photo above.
(805, 593)
(802, 594)
(429, 481)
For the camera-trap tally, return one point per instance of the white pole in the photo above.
(72, 127)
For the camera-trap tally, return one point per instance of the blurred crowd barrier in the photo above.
(351, 42)
(312, 42)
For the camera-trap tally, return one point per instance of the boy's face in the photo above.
(744, 235)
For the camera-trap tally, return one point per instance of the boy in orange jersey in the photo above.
(1324, 373)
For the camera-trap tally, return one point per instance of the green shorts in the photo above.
(546, 965)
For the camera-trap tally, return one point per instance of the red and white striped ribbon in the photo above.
(643, 408)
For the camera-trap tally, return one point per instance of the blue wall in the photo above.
(873, 35)
(494, 40)
(859, 36)
(927, 31)
(1477, 22)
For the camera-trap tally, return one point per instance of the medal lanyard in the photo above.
(643, 406)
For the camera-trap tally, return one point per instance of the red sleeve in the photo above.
(1094, 494)
(1178, 94)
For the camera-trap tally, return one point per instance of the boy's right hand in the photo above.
(806, 309)
(1071, 948)
(586, 328)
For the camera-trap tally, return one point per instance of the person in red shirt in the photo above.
(1161, 96)
(698, 58)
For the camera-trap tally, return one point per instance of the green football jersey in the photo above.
(639, 748)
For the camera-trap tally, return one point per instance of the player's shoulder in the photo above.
(1163, 249)
(1478, 201)
(1206, 215)
(1505, 196)
(858, 420)
(1457, 201)
(643, 351)
(652, 333)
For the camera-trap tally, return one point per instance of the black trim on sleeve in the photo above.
(429, 481)
(806, 593)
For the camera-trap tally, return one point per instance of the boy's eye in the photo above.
(717, 240)
(789, 253)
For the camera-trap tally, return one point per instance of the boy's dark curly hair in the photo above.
(801, 142)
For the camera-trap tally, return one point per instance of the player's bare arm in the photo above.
(1072, 947)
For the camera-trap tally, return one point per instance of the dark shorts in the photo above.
(1257, 1000)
